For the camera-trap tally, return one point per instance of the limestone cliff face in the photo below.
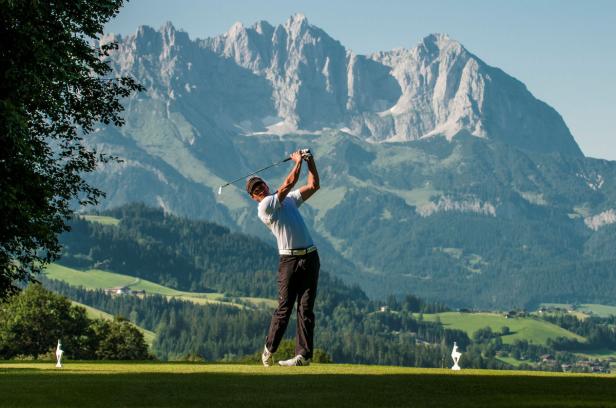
(295, 78)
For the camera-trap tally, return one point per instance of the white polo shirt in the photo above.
(285, 221)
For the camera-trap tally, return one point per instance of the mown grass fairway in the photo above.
(204, 385)
(522, 328)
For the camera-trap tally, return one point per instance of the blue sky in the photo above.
(564, 51)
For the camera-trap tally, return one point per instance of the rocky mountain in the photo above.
(296, 78)
(441, 175)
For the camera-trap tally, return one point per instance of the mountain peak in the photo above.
(262, 27)
(145, 31)
(313, 83)
(437, 38)
(296, 23)
(168, 28)
(236, 29)
(437, 42)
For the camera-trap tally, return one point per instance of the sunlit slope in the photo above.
(97, 279)
(521, 328)
(94, 313)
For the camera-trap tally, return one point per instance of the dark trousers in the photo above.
(297, 281)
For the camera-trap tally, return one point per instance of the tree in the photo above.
(119, 340)
(55, 88)
(286, 350)
(32, 322)
(483, 335)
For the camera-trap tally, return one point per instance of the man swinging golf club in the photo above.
(298, 269)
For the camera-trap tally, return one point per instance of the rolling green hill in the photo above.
(177, 253)
(598, 310)
(522, 328)
(98, 279)
(106, 385)
(586, 308)
(171, 258)
(93, 313)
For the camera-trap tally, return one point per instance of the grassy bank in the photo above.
(209, 385)
(93, 279)
(521, 328)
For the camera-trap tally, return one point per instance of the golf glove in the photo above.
(306, 154)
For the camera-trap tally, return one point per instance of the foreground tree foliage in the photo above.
(118, 340)
(33, 321)
(54, 88)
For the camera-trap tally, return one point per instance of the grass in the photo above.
(598, 310)
(101, 219)
(97, 279)
(327, 199)
(417, 196)
(601, 354)
(93, 313)
(164, 134)
(215, 385)
(586, 308)
(510, 360)
(472, 262)
(526, 328)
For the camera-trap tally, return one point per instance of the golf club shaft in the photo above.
(255, 172)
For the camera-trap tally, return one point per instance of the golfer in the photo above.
(298, 268)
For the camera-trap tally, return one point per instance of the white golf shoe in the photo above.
(298, 360)
(266, 357)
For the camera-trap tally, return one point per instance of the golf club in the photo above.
(302, 152)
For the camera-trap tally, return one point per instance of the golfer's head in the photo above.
(257, 188)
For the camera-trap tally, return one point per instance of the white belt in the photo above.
(297, 252)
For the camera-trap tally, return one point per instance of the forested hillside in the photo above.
(138, 241)
(189, 254)
(173, 251)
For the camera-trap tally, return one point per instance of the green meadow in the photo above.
(586, 308)
(521, 328)
(217, 385)
(101, 219)
(98, 279)
(93, 313)
(598, 310)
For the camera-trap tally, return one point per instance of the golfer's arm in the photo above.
(312, 185)
(286, 187)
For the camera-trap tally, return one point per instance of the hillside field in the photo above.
(586, 308)
(214, 385)
(101, 219)
(521, 328)
(94, 313)
(98, 279)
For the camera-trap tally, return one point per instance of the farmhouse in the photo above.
(123, 290)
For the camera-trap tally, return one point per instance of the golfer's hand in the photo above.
(296, 157)
(306, 155)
